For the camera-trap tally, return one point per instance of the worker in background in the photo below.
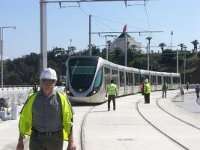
(111, 92)
(164, 90)
(182, 90)
(197, 89)
(35, 87)
(187, 85)
(147, 91)
(142, 88)
(46, 117)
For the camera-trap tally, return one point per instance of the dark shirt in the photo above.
(197, 88)
(164, 87)
(47, 113)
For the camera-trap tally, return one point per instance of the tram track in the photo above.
(159, 129)
(82, 130)
(175, 117)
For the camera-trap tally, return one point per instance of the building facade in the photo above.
(119, 42)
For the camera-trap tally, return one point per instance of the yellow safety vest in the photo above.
(147, 88)
(25, 122)
(112, 89)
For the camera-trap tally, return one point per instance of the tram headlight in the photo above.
(94, 92)
(68, 92)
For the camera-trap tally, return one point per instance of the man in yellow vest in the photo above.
(111, 91)
(147, 91)
(46, 117)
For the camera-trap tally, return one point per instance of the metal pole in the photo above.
(148, 51)
(90, 49)
(171, 43)
(177, 64)
(184, 64)
(125, 48)
(43, 35)
(1, 50)
(106, 48)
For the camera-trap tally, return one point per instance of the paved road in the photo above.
(125, 129)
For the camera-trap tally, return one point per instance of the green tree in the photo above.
(162, 46)
(195, 44)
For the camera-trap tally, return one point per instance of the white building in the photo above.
(120, 42)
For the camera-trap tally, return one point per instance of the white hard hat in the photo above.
(48, 73)
(146, 80)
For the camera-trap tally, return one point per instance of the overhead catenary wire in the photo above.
(147, 17)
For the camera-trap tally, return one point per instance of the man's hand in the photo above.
(20, 145)
(71, 146)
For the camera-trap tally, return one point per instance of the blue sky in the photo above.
(72, 23)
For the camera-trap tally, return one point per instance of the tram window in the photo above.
(165, 79)
(82, 70)
(114, 72)
(153, 79)
(115, 76)
(121, 76)
(168, 80)
(146, 76)
(159, 80)
(106, 71)
(98, 79)
(81, 73)
(137, 79)
(176, 80)
(106, 80)
(129, 79)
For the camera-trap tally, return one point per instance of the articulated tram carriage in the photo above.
(87, 77)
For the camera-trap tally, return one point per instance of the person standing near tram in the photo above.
(164, 90)
(111, 92)
(147, 91)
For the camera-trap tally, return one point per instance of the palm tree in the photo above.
(195, 44)
(162, 46)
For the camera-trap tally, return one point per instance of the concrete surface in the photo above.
(125, 129)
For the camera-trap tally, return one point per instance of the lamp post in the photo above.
(185, 48)
(182, 47)
(1, 48)
(125, 48)
(148, 50)
(177, 64)
(43, 35)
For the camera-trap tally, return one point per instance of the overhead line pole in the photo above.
(90, 46)
(1, 48)
(177, 64)
(148, 50)
(125, 48)
(185, 64)
(43, 35)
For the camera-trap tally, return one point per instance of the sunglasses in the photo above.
(47, 81)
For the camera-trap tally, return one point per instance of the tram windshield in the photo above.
(81, 73)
